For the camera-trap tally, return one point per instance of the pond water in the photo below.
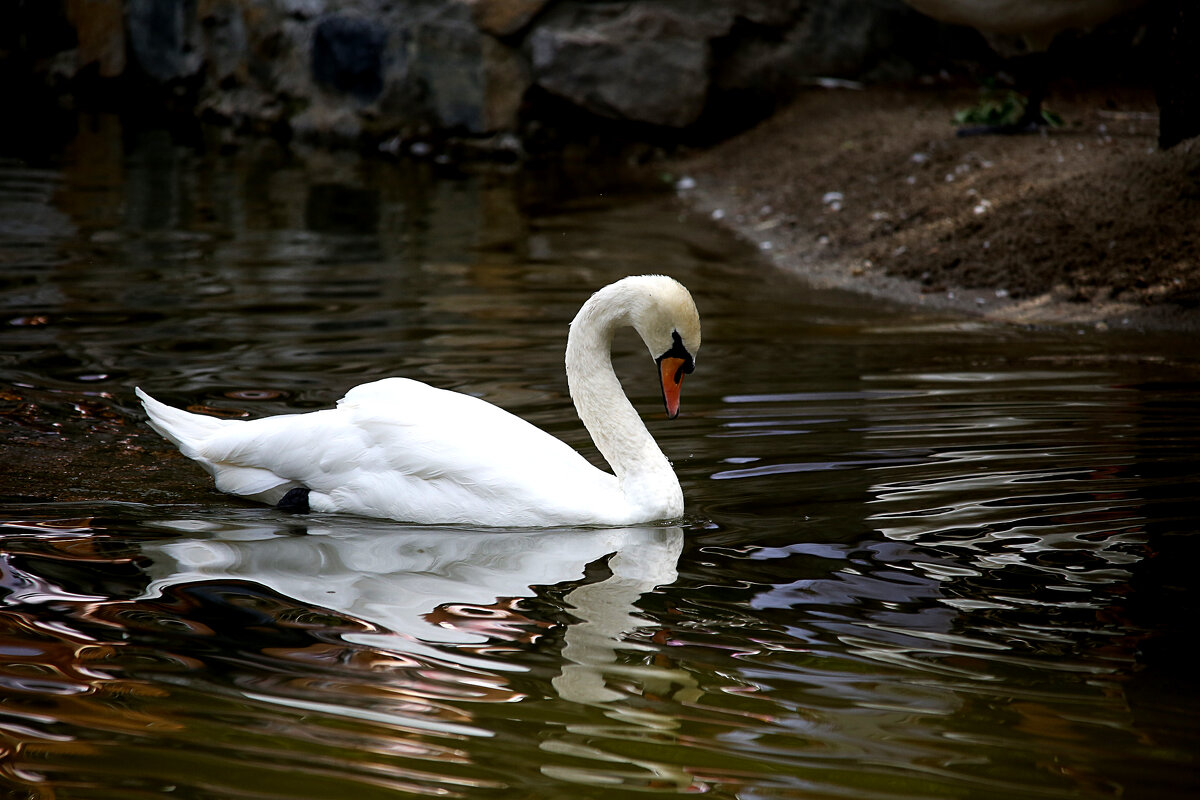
(922, 557)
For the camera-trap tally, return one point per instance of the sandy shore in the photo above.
(870, 190)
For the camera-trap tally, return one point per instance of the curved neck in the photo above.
(644, 473)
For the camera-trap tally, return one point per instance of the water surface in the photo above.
(922, 557)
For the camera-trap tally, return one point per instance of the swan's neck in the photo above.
(645, 475)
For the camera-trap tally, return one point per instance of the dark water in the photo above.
(923, 558)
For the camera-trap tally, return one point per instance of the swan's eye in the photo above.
(680, 352)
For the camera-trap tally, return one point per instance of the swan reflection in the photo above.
(435, 591)
(471, 601)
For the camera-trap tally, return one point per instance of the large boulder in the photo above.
(640, 62)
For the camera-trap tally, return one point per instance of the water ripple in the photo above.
(921, 559)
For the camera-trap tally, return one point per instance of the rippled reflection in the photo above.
(389, 637)
(922, 558)
(997, 592)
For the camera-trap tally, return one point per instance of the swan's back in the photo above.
(400, 449)
(465, 455)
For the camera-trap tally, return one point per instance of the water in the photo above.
(923, 558)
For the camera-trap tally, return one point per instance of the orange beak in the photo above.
(671, 374)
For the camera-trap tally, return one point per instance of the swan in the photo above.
(1038, 23)
(402, 450)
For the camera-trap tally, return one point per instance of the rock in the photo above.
(879, 39)
(302, 9)
(31, 36)
(638, 62)
(327, 123)
(504, 17)
(162, 38)
(472, 81)
(771, 13)
(224, 37)
(394, 69)
(100, 30)
(347, 55)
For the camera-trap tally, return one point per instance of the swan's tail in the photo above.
(194, 435)
(185, 430)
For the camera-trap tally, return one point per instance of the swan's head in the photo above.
(665, 316)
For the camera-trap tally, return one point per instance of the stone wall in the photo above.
(378, 70)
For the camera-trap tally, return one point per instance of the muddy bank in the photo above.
(871, 191)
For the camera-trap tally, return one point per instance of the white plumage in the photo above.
(399, 449)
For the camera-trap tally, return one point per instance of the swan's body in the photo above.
(399, 449)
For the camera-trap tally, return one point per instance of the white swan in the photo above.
(399, 449)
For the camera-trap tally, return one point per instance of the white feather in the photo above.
(400, 449)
